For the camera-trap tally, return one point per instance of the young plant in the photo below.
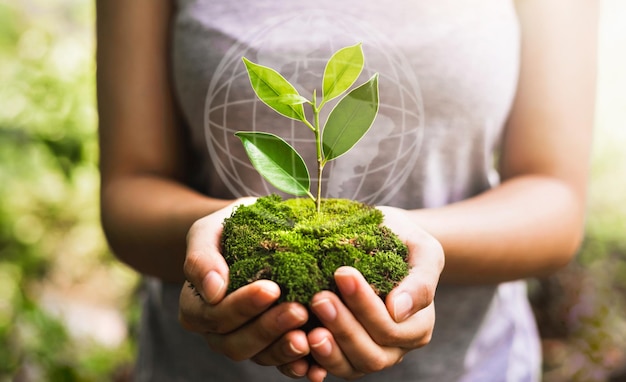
(353, 115)
(289, 241)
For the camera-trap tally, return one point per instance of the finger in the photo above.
(296, 369)
(316, 373)
(289, 348)
(235, 310)
(204, 265)
(413, 332)
(259, 334)
(364, 304)
(328, 355)
(426, 261)
(417, 290)
(349, 346)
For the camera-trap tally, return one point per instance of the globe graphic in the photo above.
(376, 168)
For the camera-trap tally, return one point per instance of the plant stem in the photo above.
(318, 200)
(320, 159)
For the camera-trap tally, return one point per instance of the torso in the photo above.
(448, 74)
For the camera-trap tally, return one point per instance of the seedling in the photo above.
(289, 241)
(353, 115)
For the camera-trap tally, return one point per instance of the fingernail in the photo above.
(295, 374)
(266, 295)
(402, 305)
(323, 347)
(290, 318)
(345, 280)
(292, 350)
(324, 309)
(212, 285)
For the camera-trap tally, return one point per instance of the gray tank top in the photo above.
(448, 73)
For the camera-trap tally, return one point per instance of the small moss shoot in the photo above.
(288, 242)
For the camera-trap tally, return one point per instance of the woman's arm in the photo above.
(146, 208)
(147, 211)
(532, 223)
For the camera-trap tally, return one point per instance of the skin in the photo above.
(530, 225)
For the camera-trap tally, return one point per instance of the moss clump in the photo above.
(288, 242)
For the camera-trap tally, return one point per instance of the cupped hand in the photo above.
(245, 324)
(361, 334)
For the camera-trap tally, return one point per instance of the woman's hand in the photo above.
(242, 325)
(361, 333)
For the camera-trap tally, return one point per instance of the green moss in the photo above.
(298, 275)
(289, 243)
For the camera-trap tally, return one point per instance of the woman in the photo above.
(484, 133)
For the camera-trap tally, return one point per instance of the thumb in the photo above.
(205, 267)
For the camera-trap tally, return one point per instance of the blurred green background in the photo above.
(68, 309)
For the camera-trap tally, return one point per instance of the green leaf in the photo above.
(275, 91)
(277, 162)
(351, 118)
(342, 69)
(292, 99)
